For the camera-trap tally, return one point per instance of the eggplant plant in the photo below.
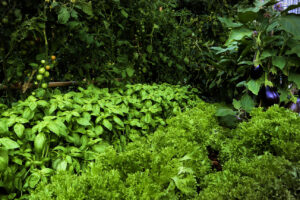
(264, 42)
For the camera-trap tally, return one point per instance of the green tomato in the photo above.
(43, 61)
(33, 93)
(144, 69)
(44, 85)
(39, 77)
(5, 20)
(4, 3)
(35, 83)
(46, 74)
(135, 55)
(42, 70)
(186, 60)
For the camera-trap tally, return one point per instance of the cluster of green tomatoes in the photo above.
(44, 72)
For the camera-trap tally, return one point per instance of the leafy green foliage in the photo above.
(259, 35)
(173, 162)
(262, 177)
(165, 165)
(276, 131)
(105, 41)
(69, 130)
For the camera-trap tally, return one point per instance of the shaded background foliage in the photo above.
(131, 41)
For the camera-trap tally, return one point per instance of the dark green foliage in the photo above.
(131, 41)
(69, 130)
(276, 131)
(262, 177)
(165, 165)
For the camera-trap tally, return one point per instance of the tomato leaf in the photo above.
(63, 15)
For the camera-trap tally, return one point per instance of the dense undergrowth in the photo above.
(67, 131)
(258, 160)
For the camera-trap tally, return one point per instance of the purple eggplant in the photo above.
(269, 96)
(295, 107)
(256, 72)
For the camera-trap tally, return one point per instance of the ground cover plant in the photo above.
(38, 137)
(175, 163)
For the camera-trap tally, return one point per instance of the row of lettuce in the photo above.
(122, 144)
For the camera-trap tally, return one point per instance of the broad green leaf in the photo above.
(236, 104)
(135, 122)
(8, 143)
(98, 130)
(63, 15)
(53, 107)
(34, 179)
(247, 103)
(17, 160)
(295, 78)
(86, 7)
(32, 105)
(62, 165)
(267, 53)
(118, 121)
(43, 103)
(3, 126)
(53, 127)
(224, 111)
(283, 95)
(290, 23)
(294, 50)
(83, 121)
(11, 121)
(57, 127)
(279, 61)
(19, 130)
(47, 171)
(238, 34)
(228, 22)
(107, 124)
(130, 71)
(27, 114)
(248, 14)
(254, 86)
(100, 148)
